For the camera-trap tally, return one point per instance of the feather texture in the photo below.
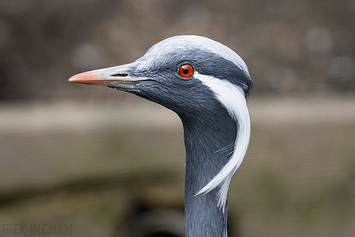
(233, 99)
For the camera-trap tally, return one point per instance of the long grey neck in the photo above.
(206, 137)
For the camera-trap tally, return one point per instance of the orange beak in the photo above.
(119, 76)
(89, 78)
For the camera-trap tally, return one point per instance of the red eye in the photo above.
(186, 70)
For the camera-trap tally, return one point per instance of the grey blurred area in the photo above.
(290, 47)
(79, 160)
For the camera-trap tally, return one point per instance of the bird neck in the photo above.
(208, 138)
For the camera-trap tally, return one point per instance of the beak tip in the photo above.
(85, 78)
(76, 78)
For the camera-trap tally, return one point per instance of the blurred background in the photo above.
(90, 161)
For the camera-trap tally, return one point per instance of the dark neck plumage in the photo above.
(206, 137)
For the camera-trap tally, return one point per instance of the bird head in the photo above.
(176, 73)
(195, 77)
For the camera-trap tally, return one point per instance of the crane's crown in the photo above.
(208, 57)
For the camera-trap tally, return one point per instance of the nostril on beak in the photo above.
(119, 75)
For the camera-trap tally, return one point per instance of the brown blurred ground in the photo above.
(93, 165)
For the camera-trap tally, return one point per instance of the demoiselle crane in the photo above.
(206, 84)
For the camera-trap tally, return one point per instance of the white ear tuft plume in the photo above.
(233, 99)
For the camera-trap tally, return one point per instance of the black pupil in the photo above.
(185, 71)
